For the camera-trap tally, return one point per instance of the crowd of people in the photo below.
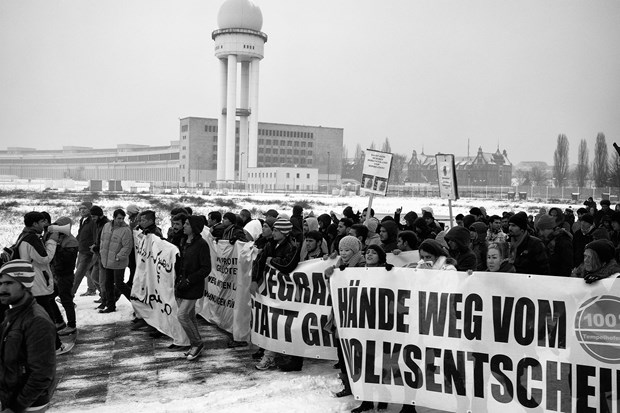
(50, 263)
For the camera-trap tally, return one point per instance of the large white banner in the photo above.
(152, 293)
(290, 311)
(227, 289)
(487, 342)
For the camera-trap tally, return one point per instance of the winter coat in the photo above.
(63, 263)
(40, 256)
(116, 245)
(607, 270)
(85, 235)
(580, 240)
(284, 258)
(560, 252)
(531, 257)
(153, 229)
(195, 267)
(234, 233)
(27, 357)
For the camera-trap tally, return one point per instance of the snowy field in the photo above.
(234, 385)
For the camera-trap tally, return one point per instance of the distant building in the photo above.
(492, 169)
(190, 160)
(283, 179)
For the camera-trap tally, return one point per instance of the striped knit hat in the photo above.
(20, 270)
(283, 225)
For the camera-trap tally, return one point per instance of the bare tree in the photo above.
(583, 164)
(600, 165)
(560, 161)
(386, 147)
(614, 172)
(397, 173)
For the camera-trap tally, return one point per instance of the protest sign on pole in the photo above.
(375, 174)
(152, 292)
(290, 311)
(487, 342)
(446, 176)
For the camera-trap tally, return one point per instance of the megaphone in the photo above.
(63, 229)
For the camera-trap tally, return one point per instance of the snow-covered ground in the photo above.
(228, 389)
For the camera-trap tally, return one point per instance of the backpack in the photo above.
(11, 253)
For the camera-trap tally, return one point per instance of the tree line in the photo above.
(603, 171)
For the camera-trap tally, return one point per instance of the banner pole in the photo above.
(370, 198)
(450, 208)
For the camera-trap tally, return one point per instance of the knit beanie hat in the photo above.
(132, 209)
(546, 222)
(475, 211)
(603, 248)
(269, 220)
(20, 270)
(458, 234)
(468, 220)
(600, 233)
(588, 218)
(271, 213)
(63, 221)
(520, 220)
(411, 216)
(283, 225)
(351, 243)
(96, 210)
(372, 223)
(479, 227)
(382, 255)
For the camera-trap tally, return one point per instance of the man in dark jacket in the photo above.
(97, 271)
(558, 243)
(27, 348)
(190, 282)
(85, 236)
(63, 265)
(282, 255)
(582, 237)
(527, 253)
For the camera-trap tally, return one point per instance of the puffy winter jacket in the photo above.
(116, 245)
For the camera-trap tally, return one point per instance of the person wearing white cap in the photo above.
(28, 338)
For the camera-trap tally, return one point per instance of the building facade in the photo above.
(484, 169)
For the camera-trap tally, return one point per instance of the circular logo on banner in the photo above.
(597, 327)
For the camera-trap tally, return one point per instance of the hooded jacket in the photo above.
(27, 357)
(391, 227)
(40, 256)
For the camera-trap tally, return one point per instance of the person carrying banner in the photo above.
(176, 234)
(434, 257)
(350, 256)
(282, 255)
(28, 367)
(190, 282)
(497, 258)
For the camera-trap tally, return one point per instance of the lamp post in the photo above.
(328, 158)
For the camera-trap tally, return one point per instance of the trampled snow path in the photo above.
(115, 369)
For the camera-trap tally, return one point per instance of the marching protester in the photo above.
(558, 244)
(458, 239)
(40, 255)
(63, 265)
(190, 282)
(27, 336)
(388, 234)
(116, 244)
(176, 233)
(133, 214)
(147, 223)
(97, 271)
(434, 257)
(527, 253)
(85, 235)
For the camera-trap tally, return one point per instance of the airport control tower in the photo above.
(238, 40)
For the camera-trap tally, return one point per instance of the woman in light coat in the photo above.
(115, 247)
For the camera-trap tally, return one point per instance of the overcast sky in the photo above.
(425, 74)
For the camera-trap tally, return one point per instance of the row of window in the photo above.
(268, 142)
(266, 132)
(107, 160)
(265, 161)
(272, 175)
(282, 151)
